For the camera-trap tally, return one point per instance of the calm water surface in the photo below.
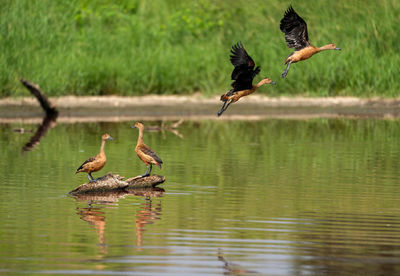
(273, 197)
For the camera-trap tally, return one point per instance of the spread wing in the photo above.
(91, 159)
(295, 29)
(148, 151)
(244, 72)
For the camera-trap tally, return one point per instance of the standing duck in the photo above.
(145, 153)
(243, 75)
(95, 163)
(296, 36)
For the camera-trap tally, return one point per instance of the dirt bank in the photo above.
(115, 108)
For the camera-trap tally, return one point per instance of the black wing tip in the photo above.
(236, 47)
(290, 10)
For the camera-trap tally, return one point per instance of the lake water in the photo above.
(270, 197)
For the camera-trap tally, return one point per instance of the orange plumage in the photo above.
(144, 152)
(97, 162)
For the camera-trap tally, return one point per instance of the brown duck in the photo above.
(243, 75)
(296, 36)
(97, 162)
(145, 153)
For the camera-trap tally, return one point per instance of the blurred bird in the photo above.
(296, 36)
(243, 75)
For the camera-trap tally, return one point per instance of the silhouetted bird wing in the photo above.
(244, 72)
(91, 159)
(148, 151)
(295, 29)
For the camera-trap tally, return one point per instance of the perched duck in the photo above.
(145, 153)
(243, 75)
(97, 162)
(296, 36)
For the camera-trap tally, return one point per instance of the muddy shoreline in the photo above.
(114, 108)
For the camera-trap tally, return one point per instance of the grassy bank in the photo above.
(140, 47)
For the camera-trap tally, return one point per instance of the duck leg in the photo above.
(286, 70)
(147, 171)
(89, 175)
(221, 110)
(224, 107)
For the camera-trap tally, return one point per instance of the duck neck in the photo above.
(103, 143)
(258, 85)
(323, 48)
(140, 137)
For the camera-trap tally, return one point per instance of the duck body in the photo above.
(97, 162)
(242, 76)
(234, 96)
(145, 153)
(302, 54)
(296, 36)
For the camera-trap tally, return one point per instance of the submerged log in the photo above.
(111, 183)
(106, 183)
(139, 182)
(49, 121)
(115, 196)
(41, 97)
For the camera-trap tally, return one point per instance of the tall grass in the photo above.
(136, 47)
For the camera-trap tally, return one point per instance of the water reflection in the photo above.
(49, 122)
(147, 214)
(173, 128)
(338, 238)
(232, 268)
(96, 217)
(322, 199)
(96, 203)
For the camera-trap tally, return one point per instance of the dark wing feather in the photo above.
(244, 72)
(91, 159)
(239, 56)
(148, 151)
(295, 29)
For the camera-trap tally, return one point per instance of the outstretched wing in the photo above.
(239, 56)
(295, 29)
(244, 72)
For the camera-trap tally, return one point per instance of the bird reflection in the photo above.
(96, 217)
(173, 128)
(49, 121)
(231, 268)
(147, 214)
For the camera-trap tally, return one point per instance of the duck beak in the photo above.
(338, 48)
(110, 138)
(133, 126)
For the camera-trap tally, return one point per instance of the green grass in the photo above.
(139, 47)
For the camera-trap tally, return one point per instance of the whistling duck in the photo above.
(97, 162)
(145, 153)
(296, 36)
(243, 75)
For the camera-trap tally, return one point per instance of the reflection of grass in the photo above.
(253, 170)
(140, 47)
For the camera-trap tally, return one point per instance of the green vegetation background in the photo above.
(137, 47)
